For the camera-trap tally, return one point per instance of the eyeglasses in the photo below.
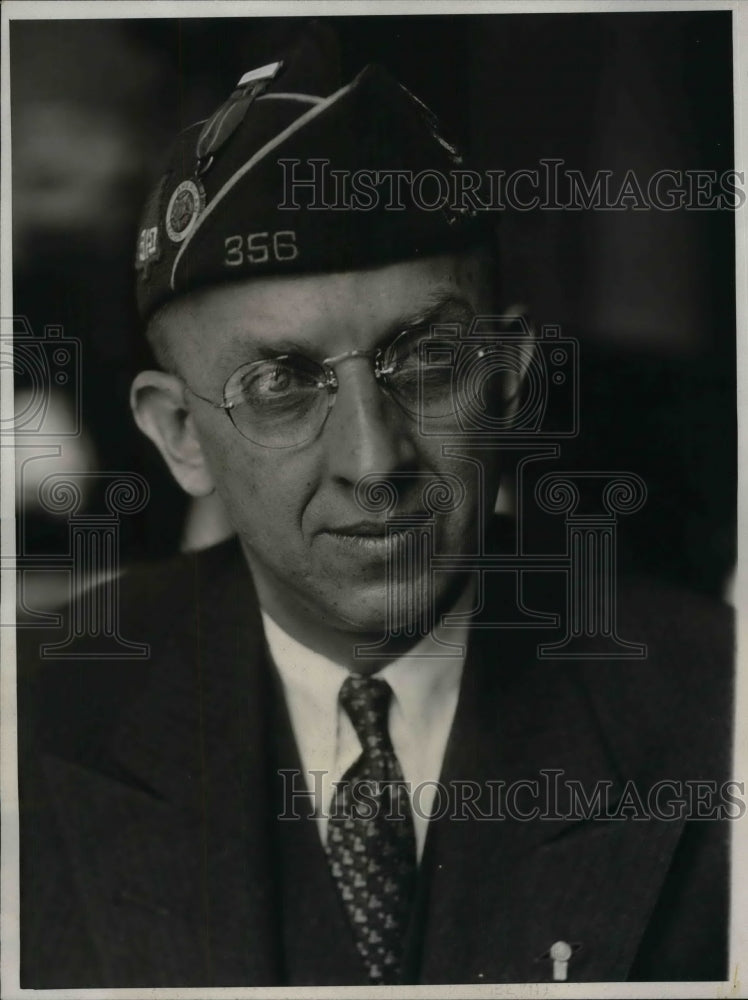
(283, 402)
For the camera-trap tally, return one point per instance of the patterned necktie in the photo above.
(370, 839)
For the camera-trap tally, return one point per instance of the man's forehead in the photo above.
(310, 311)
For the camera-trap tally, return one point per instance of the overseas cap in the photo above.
(295, 173)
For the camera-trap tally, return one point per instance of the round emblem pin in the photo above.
(185, 205)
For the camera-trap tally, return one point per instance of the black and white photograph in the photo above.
(370, 461)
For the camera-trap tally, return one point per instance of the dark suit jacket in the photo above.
(151, 852)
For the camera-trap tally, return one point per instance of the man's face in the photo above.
(311, 545)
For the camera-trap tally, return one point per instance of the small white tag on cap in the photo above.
(261, 73)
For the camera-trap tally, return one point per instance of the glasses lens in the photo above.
(440, 378)
(278, 403)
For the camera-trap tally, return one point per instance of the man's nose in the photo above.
(366, 431)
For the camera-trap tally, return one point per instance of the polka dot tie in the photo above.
(370, 839)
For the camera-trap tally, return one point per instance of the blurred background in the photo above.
(650, 295)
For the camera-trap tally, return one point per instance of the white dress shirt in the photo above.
(425, 686)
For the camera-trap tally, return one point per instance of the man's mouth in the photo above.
(374, 537)
(362, 529)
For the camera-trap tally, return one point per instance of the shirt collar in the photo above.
(420, 679)
(308, 675)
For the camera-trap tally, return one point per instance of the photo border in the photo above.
(13, 10)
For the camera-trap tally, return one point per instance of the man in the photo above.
(303, 785)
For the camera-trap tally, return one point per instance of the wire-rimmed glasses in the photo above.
(284, 401)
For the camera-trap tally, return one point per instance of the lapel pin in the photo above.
(559, 953)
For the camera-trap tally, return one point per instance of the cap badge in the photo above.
(185, 205)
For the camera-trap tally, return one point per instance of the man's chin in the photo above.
(382, 611)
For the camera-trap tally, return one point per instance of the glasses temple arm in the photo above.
(216, 406)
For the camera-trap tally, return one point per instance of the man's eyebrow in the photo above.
(279, 348)
(258, 350)
(433, 310)
(457, 306)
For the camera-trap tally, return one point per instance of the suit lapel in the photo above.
(520, 885)
(172, 845)
(174, 849)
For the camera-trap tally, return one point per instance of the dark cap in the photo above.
(294, 174)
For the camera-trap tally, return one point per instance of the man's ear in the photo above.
(157, 401)
(514, 385)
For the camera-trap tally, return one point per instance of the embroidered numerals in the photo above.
(259, 248)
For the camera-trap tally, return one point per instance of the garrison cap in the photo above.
(296, 173)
